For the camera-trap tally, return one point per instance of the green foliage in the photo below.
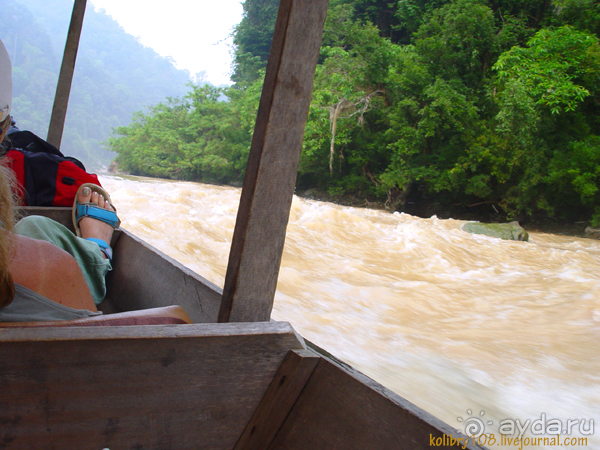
(581, 14)
(558, 68)
(459, 41)
(348, 89)
(468, 102)
(198, 138)
(252, 39)
(574, 175)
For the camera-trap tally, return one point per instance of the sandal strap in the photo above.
(95, 212)
(104, 247)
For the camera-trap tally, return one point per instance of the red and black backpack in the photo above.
(45, 176)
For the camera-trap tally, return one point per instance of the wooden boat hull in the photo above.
(201, 386)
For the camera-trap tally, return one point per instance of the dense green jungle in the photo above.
(115, 75)
(469, 108)
(462, 108)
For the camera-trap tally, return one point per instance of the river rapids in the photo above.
(464, 326)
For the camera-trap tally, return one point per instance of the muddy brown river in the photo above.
(473, 329)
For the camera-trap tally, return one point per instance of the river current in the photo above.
(465, 326)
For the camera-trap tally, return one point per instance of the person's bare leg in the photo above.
(51, 272)
(93, 228)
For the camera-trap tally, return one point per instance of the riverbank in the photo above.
(420, 206)
(483, 212)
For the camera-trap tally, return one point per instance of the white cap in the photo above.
(5, 83)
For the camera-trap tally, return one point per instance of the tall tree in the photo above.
(252, 39)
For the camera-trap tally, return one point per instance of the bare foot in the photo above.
(93, 228)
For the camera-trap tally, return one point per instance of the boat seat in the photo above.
(167, 315)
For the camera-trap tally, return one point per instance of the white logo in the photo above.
(474, 426)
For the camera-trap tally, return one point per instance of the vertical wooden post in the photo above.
(63, 90)
(272, 167)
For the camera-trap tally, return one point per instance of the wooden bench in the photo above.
(169, 315)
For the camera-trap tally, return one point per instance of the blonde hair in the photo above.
(4, 126)
(7, 220)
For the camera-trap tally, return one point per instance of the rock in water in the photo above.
(509, 231)
(592, 233)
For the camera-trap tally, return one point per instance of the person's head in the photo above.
(5, 90)
(7, 288)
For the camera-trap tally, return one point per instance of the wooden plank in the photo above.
(167, 315)
(283, 329)
(65, 78)
(151, 387)
(143, 277)
(342, 409)
(266, 198)
(61, 215)
(283, 392)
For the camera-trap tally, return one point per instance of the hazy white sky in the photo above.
(195, 33)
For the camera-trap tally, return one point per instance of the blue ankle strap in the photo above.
(103, 246)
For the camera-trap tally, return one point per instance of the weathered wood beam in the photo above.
(63, 90)
(266, 199)
(340, 408)
(276, 404)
